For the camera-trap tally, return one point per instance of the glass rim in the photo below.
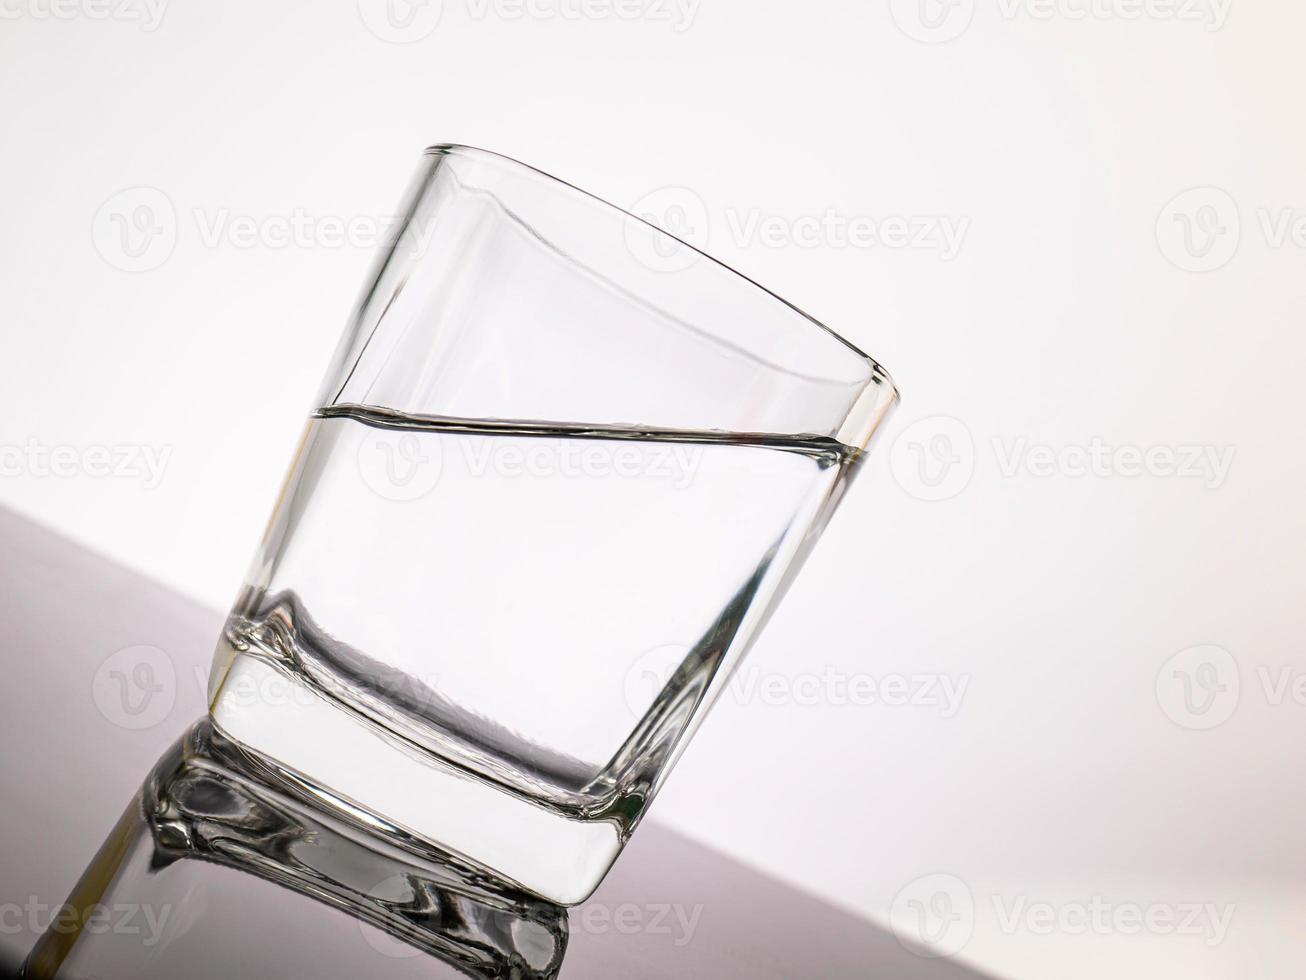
(879, 375)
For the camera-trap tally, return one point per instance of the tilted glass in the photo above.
(559, 472)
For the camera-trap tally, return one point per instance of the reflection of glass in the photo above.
(561, 470)
(166, 911)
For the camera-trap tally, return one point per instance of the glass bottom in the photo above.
(348, 761)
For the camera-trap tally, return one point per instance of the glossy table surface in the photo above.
(104, 671)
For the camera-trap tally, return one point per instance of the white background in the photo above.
(1074, 313)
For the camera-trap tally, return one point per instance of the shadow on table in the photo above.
(181, 888)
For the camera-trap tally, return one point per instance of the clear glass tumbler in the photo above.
(561, 469)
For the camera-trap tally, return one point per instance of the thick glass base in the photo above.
(345, 759)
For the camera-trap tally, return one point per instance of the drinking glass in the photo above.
(561, 469)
